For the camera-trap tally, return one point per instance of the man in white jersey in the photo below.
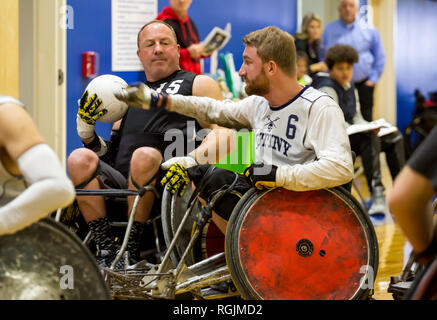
(300, 134)
(32, 180)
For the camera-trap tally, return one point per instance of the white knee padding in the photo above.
(49, 189)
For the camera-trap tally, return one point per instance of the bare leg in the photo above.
(82, 163)
(145, 163)
(219, 221)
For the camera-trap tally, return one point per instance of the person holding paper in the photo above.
(340, 60)
(187, 35)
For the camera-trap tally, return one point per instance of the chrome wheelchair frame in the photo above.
(173, 277)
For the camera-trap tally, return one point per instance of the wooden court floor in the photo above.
(391, 240)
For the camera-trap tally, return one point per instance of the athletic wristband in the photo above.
(98, 145)
(164, 100)
(93, 144)
(154, 99)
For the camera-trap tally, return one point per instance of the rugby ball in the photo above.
(105, 86)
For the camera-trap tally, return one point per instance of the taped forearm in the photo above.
(49, 189)
(315, 175)
(223, 113)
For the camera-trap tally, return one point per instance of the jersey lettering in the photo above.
(266, 140)
(174, 87)
(291, 128)
(161, 87)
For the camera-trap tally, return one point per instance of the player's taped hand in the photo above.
(186, 162)
(177, 179)
(140, 96)
(88, 108)
(261, 175)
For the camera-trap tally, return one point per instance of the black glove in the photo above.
(261, 175)
(140, 96)
(177, 179)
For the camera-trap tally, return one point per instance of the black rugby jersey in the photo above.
(147, 128)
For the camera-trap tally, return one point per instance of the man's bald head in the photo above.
(348, 10)
(153, 22)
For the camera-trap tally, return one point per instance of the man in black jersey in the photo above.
(132, 158)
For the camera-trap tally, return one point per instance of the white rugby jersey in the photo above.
(306, 137)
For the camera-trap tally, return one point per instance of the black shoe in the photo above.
(105, 258)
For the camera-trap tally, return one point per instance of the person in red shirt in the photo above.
(187, 35)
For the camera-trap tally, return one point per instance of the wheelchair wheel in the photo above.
(316, 245)
(424, 286)
(47, 261)
(173, 210)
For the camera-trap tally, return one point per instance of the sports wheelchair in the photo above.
(279, 244)
(417, 281)
(46, 261)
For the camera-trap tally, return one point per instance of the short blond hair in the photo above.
(274, 44)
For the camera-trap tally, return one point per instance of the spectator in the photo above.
(310, 42)
(302, 67)
(366, 40)
(187, 35)
(340, 60)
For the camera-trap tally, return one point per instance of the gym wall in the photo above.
(9, 57)
(415, 54)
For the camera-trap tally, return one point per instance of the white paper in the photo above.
(128, 16)
(216, 40)
(384, 126)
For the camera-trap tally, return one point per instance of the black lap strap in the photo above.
(146, 187)
(94, 175)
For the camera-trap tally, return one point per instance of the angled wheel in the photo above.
(173, 210)
(47, 261)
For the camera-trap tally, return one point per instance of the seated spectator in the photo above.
(302, 67)
(340, 60)
(310, 42)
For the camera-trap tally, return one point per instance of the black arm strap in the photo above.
(206, 178)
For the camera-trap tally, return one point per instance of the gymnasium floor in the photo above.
(391, 241)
